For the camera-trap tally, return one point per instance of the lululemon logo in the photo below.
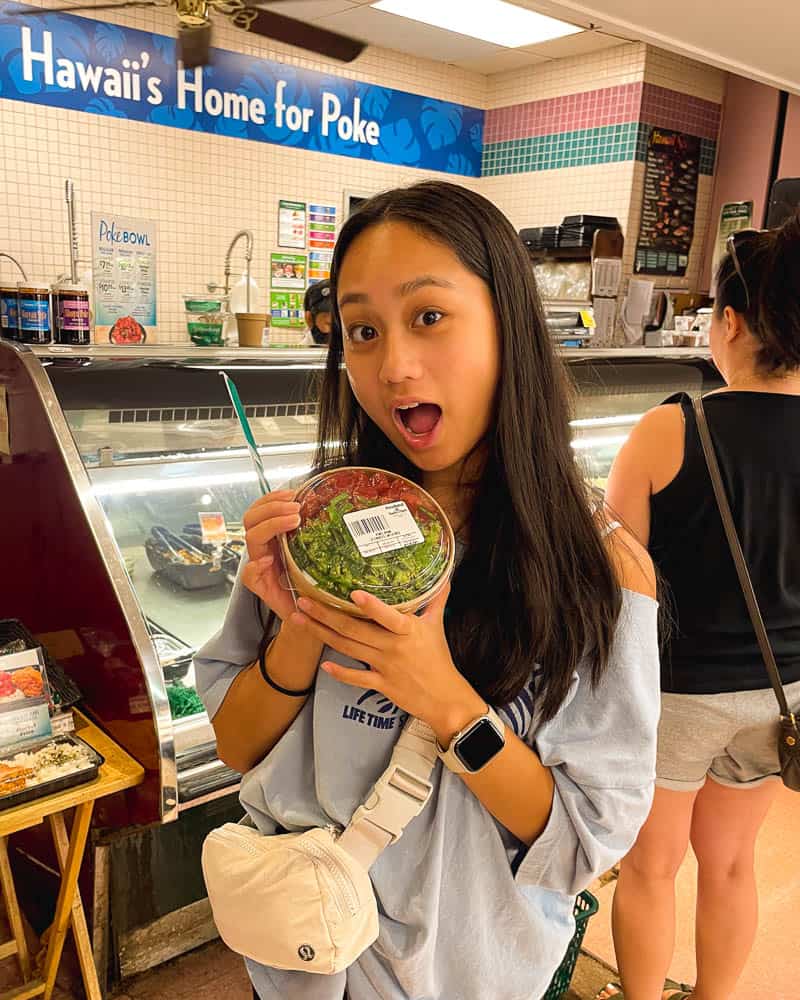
(306, 952)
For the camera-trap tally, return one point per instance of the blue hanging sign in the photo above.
(73, 62)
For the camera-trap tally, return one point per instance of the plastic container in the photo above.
(60, 784)
(585, 907)
(204, 319)
(34, 316)
(8, 312)
(71, 315)
(365, 529)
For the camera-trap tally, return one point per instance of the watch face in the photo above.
(477, 747)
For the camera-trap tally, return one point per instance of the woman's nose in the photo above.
(400, 361)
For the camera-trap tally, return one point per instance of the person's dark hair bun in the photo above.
(770, 263)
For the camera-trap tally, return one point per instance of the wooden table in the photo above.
(119, 772)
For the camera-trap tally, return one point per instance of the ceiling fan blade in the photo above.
(72, 9)
(293, 32)
(193, 45)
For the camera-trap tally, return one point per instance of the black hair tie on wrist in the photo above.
(262, 666)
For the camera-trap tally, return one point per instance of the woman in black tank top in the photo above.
(717, 738)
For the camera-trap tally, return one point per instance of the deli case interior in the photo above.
(120, 470)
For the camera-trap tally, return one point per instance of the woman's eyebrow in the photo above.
(401, 291)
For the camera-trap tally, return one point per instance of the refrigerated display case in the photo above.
(113, 457)
(108, 459)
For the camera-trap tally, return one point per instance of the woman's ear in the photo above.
(735, 325)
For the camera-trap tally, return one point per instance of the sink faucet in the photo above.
(15, 261)
(248, 256)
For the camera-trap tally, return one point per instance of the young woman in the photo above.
(453, 382)
(719, 718)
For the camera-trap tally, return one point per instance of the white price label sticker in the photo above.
(383, 529)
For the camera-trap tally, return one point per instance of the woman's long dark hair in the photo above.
(535, 585)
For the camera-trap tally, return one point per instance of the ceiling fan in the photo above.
(194, 26)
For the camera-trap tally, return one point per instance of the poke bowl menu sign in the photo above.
(124, 269)
(670, 200)
(24, 699)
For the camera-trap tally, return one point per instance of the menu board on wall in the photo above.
(321, 227)
(124, 270)
(288, 270)
(319, 266)
(292, 224)
(670, 200)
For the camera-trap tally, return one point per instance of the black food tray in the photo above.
(64, 690)
(597, 221)
(57, 784)
(189, 576)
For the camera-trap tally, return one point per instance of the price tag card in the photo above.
(213, 528)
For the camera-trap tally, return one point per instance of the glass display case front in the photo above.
(166, 461)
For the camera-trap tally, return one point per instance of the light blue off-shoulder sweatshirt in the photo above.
(467, 912)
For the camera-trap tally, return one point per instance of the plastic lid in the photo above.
(364, 529)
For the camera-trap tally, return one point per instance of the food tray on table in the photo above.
(66, 752)
(64, 690)
(181, 562)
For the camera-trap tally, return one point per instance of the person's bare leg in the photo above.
(725, 826)
(643, 916)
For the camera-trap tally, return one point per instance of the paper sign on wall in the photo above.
(124, 269)
(321, 227)
(735, 216)
(288, 270)
(286, 309)
(292, 224)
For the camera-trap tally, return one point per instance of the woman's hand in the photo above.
(266, 519)
(408, 657)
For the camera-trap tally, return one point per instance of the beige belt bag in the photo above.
(304, 901)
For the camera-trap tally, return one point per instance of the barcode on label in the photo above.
(383, 529)
(370, 526)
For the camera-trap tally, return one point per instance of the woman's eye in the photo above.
(430, 317)
(361, 334)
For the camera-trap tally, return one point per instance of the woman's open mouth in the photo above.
(418, 421)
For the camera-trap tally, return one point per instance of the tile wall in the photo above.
(561, 137)
(199, 188)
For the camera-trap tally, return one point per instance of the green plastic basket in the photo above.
(585, 906)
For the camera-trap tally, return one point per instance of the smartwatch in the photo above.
(476, 745)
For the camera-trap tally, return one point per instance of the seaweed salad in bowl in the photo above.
(364, 529)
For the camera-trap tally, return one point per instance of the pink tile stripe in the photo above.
(610, 106)
(682, 112)
(591, 109)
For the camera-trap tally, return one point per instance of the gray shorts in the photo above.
(730, 737)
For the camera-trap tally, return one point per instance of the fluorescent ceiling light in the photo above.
(490, 20)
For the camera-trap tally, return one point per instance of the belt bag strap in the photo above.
(738, 558)
(400, 794)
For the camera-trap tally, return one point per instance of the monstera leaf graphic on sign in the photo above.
(457, 163)
(172, 116)
(476, 137)
(104, 106)
(110, 41)
(441, 123)
(375, 101)
(398, 144)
